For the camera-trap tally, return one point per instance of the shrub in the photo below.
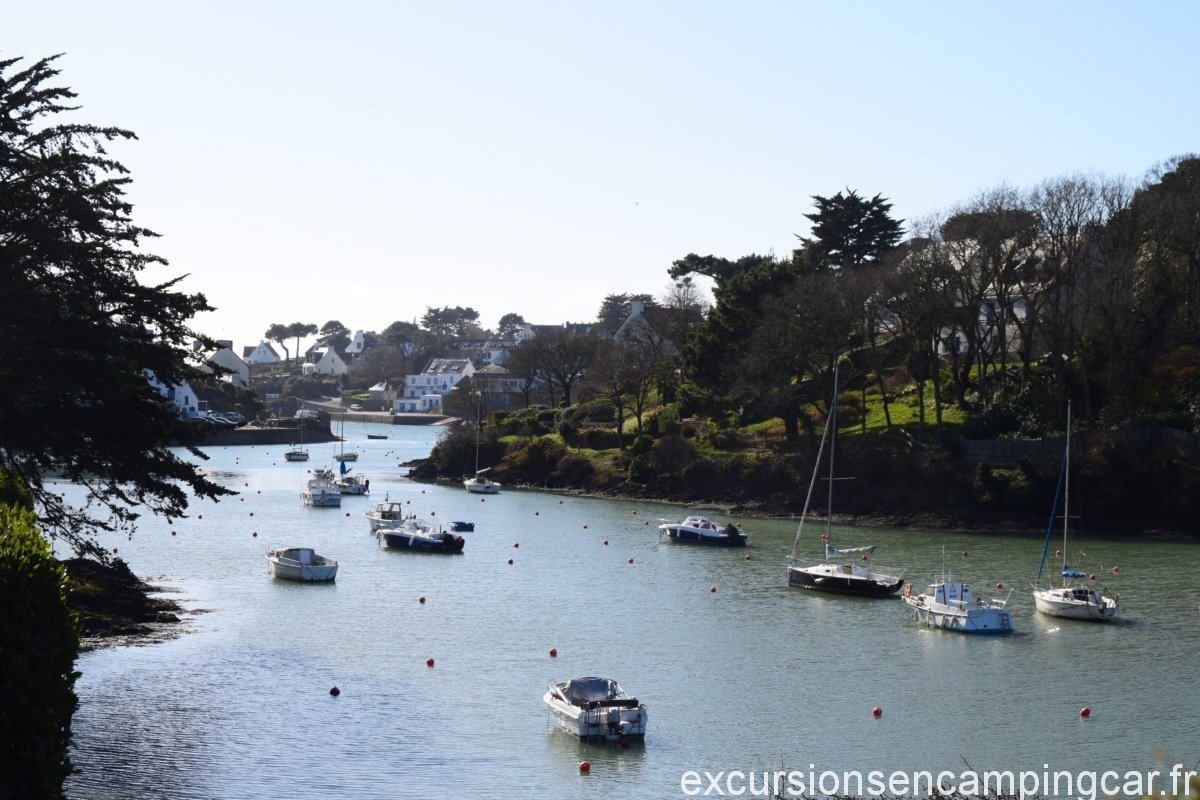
(37, 678)
(573, 469)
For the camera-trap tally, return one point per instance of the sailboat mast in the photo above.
(832, 446)
(1067, 488)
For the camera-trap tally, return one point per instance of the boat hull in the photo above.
(399, 539)
(980, 621)
(307, 568)
(679, 533)
(1094, 607)
(833, 578)
(321, 498)
(601, 724)
(481, 487)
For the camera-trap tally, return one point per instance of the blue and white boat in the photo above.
(701, 530)
(421, 537)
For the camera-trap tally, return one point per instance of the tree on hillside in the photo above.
(298, 330)
(523, 364)
(280, 334)
(563, 358)
(447, 321)
(721, 270)
(510, 325)
(850, 232)
(720, 339)
(854, 238)
(79, 405)
(616, 308)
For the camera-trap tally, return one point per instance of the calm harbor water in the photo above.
(755, 676)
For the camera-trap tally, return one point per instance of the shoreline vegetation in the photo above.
(115, 607)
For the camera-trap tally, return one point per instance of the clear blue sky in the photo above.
(363, 161)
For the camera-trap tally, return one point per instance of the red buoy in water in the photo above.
(585, 527)
(749, 558)
(606, 542)
(866, 557)
(421, 599)
(429, 662)
(877, 712)
(510, 561)
(630, 560)
(554, 652)
(172, 533)
(964, 553)
(1085, 712)
(1058, 552)
(1091, 577)
(585, 767)
(713, 590)
(999, 585)
(516, 544)
(1116, 570)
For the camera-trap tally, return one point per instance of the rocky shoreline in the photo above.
(115, 607)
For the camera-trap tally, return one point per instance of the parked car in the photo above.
(355, 407)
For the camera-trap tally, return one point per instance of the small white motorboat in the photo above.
(596, 709)
(388, 514)
(301, 564)
(952, 606)
(320, 490)
(701, 530)
(296, 454)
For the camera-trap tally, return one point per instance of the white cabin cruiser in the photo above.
(596, 709)
(320, 490)
(952, 606)
(702, 530)
(388, 514)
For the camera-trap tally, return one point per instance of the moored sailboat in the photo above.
(1071, 599)
(843, 571)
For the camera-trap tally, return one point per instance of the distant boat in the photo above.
(297, 453)
(342, 455)
(351, 484)
(462, 527)
(480, 484)
(301, 564)
(320, 490)
(701, 530)
(388, 514)
(377, 436)
(596, 709)
(843, 571)
(1072, 599)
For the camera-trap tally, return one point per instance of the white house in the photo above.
(423, 392)
(263, 354)
(330, 364)
(357, 343)
(181, 398)
(237, 370)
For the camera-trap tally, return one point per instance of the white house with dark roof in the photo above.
(236, 370)
(262, 354)
(423, 392)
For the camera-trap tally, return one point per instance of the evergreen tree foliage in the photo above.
(84, 332)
